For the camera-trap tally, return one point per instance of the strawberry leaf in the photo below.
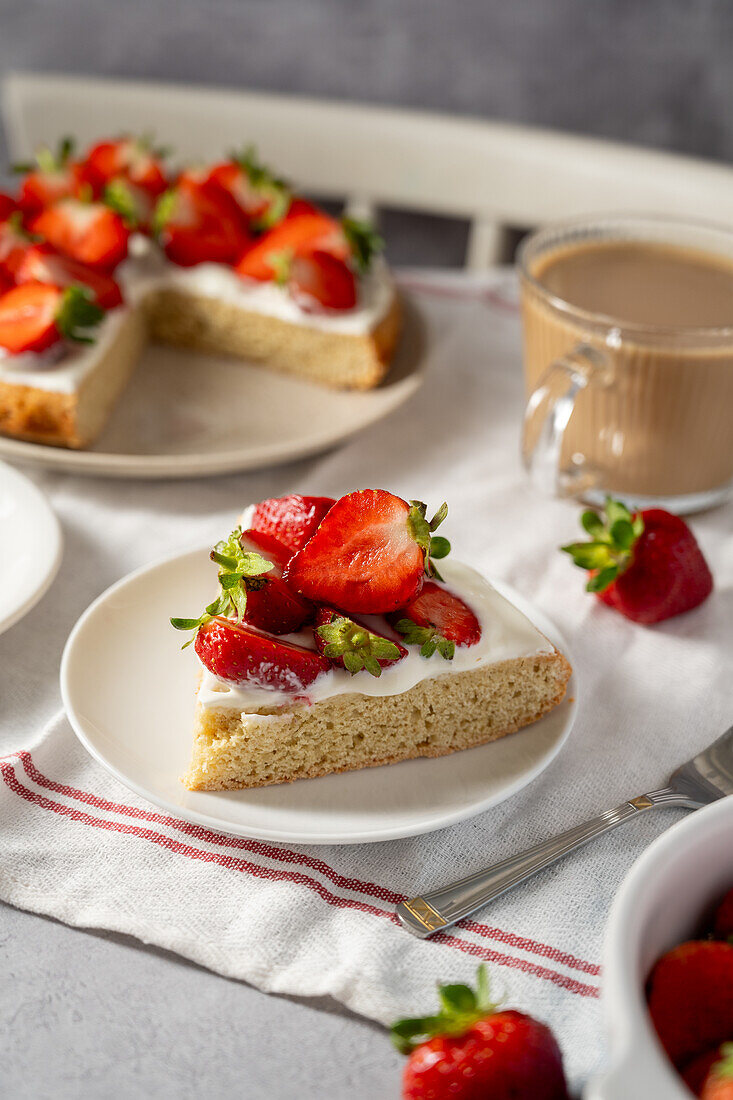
(610, 551)
(237, 568)
(118, 197)
(165, 210)
(77, 314)
(421, 530)
(363, 240)
(461, 1007)
(427, 637)
(356, 646)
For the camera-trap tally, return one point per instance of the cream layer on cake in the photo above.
(146, 271)
(505, 634)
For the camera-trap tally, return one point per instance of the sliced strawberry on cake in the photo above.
(14, 244)
(50, 177)
(369, 554)
(261, 196)
(358, 696)
(86, 231)
(42, 264)
(291, 519)
(130, 158)
(35, 317)
(294, 236)
(195, 226)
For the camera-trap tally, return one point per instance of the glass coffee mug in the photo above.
(628, 354)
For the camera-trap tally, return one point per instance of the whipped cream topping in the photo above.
(147, 270)
(505, 633)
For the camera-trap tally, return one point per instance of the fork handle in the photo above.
(439, 909)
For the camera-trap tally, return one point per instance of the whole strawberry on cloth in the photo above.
(471, 1051)
(647, 564)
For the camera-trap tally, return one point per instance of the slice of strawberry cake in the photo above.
(337, 643)
(101, 253)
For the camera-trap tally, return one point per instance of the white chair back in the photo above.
(495, 175)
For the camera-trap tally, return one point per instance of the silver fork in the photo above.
(704, 779)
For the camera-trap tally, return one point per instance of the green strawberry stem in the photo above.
(610, 550)
(427, 637)
(422, 531)
(724, 1068)
(77, 314)
(263, 180)
(47, 160)
(363, 240)
(237, 569)
(356, 646)
(118, 197)
(460, 1008)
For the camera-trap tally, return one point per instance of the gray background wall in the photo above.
(654, 72)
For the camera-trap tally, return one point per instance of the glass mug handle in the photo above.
(546, 417)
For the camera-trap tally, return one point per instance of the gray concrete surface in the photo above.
(94, 1015)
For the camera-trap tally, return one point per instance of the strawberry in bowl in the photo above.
(336, 643)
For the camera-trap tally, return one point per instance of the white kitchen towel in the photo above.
(77, 845)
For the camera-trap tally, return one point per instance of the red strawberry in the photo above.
(369, 554)
(260, 196)
(318, 280)
(130, 158)
(294, 236)
(271, 605)
(239, 655)
(723, 927)
(291, 519)
(8, 206)
(6, 284)
(14, 243)
(648, 565)
(34, 317)
(469, 1051)
(690, 996)
(41, 264)
(350, 644)
(53, 176)
(87, 231)
(437, 619)
(719, 1081)
(196, 226)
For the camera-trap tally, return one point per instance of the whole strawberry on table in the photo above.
(646, 564)
(469, 1050)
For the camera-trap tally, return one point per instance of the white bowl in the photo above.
(660, 904)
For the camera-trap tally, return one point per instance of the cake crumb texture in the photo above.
(445, 714)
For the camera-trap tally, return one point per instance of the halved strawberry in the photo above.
(238, 655)
(87, 231)
(690, 996)
(195, 227)
(42, 264)
(53, 176)
(132, 158)
(437, 619)
(292, 237)
(723, 926)
(36, 316)
(319, 281)
(14, 243)
(261, 196)
(271, 604)
(291, 519)
(350, 644)
(368, 555)
(8, 206)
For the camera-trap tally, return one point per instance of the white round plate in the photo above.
(128, 689)
(30, 545)
(186, 414)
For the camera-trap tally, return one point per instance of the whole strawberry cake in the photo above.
(337, 642)
(102, 252)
